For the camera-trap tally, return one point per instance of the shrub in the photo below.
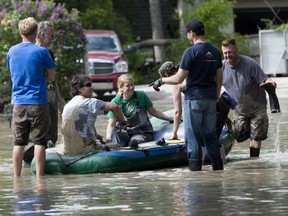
(68, 46)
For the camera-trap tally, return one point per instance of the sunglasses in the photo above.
(89, 84)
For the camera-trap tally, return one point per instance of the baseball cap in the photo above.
(194, 25)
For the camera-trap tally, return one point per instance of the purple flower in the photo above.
(31, 13)
(37, 3)
(42, 10)
(53, 16)
(58, 8)
(61, 32)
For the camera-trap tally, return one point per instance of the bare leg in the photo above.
(40, 156)
(255, 144)
(17, 159)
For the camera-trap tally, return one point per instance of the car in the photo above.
(106, 60)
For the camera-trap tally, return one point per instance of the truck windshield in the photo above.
(102, 43)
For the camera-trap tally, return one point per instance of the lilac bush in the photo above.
(68, 33)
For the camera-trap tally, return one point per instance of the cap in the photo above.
(166, 66)
(194, 25)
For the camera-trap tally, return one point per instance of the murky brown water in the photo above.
(246, 186)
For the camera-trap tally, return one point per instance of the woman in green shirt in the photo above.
(134, 106)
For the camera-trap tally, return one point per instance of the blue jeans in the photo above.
(200, 129)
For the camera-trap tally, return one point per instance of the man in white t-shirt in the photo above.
(79, 118)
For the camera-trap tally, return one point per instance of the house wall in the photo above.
(260, 3)
(248, 17)
(249, 14)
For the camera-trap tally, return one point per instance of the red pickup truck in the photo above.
(106, 60)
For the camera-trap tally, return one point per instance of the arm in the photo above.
(110, 128)
(219, 77)
(269, 81)
(101, 138)
(61, 102)
(158, 114)
(177, 100)
(176, 78)
(50, 74)
(110, 106)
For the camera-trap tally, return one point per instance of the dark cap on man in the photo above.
(195, 25)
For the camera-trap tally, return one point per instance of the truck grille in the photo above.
(100, 68)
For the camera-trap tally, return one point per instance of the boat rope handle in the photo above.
(77, 159)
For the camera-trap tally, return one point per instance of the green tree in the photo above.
(270, 24)
(8, 25)
(216, 15)
(112, 15)
(68, 46)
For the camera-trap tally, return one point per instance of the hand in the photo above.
(268, 84)
(123, 125)
(156, 84)
(107, 141)
(102, 140)
(228, 123)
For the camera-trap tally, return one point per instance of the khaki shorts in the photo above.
(254, 126)
(32, 119)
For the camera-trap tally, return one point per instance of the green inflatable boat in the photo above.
(148, 156)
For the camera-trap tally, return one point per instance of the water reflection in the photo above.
(239, 189)
(31, 197)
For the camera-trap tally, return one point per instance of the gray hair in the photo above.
(43, 27)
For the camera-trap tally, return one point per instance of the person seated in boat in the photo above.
(79, 117)
(135, 106)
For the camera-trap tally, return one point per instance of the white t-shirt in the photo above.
(87, 115)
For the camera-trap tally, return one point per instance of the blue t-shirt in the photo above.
(27, 63)
(202, 61)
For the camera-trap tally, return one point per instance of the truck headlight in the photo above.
(121, 66)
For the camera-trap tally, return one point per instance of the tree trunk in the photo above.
(157, 28)
(185, 7)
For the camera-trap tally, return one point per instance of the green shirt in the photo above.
(129, 106)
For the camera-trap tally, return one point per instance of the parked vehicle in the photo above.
(106, 60)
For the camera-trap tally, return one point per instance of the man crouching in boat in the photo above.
(134, 105)
(79, 117)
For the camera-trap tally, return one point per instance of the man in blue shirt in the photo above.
(201, 65)
(30, 67)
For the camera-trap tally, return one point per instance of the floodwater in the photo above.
(245, 187)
